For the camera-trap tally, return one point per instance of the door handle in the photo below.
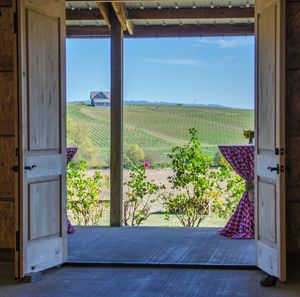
(30, 167)
(277, 169)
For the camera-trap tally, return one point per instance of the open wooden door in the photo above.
(270, 137)
(42, 217)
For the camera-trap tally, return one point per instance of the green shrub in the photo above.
(139, 195)
(194, 180)
(230, 188)
(85, 201)
(133, 154)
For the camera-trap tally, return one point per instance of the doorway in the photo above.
(269, 180)
(149, 134)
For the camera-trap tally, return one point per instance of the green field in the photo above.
(157, 128)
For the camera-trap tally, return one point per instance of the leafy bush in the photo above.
(139, 196)
(218, 158)
(133, 154)
(194, 180)
(85, 202)
(230, 189)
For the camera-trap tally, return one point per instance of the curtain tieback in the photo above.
(250, 189)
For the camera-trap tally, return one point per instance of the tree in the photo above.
(133, 154)
(77, 136)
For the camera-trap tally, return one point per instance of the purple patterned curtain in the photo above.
(241, 224)
(71, 152)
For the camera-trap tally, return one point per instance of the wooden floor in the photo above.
(199, 246)
(148, 282)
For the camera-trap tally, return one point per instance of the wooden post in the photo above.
(116, 151)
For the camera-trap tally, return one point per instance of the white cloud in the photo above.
(226, 42)
(183, 62)
(229, 58)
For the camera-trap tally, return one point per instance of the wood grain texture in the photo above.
(267, 211)
(7, 103)
(293, 128)
(293, 162)
(293, 36)
(44, 207)
(44, 83)
(292, 103)
(266, 79)
(116, 115)
(7, 131)
(270, 190)
(7, 160)
(293, 230)
(7, 227)
(6, 3)
(42, 115)
(7, 39)
(145, 282)
(166, 31)
(176, 245)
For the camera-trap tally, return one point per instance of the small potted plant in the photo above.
(249, 134)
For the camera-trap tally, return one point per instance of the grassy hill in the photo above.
(157, 128)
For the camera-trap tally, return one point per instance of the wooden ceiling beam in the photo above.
(104, 11)
(132, 1)
(195, 30)
(120, 11)
(83, 14)
(167, 31)
(151, 14)
(190, 13)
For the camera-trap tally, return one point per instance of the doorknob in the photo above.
(30, 167)
(274, 168)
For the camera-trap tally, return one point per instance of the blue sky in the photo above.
(212, 70)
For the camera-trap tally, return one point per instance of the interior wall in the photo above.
(293, 130)
(8, 127)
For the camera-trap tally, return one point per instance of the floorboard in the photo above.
(158, 245)
(137, 282)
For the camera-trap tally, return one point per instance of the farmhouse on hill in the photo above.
(100, 99)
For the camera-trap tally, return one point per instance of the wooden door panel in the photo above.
(44, 201)
(267, 257)
(43, 167)
(44, 78)
(42, 256)
(51, 164)
(267, 211)
(266, 59)
(270, 135)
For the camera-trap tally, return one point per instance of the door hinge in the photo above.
(15, 23)
(279, 151)
(17, 241)
(17, 152)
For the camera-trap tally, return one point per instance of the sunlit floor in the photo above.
(144, 245)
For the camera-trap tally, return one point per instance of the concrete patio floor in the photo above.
(146, 245)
